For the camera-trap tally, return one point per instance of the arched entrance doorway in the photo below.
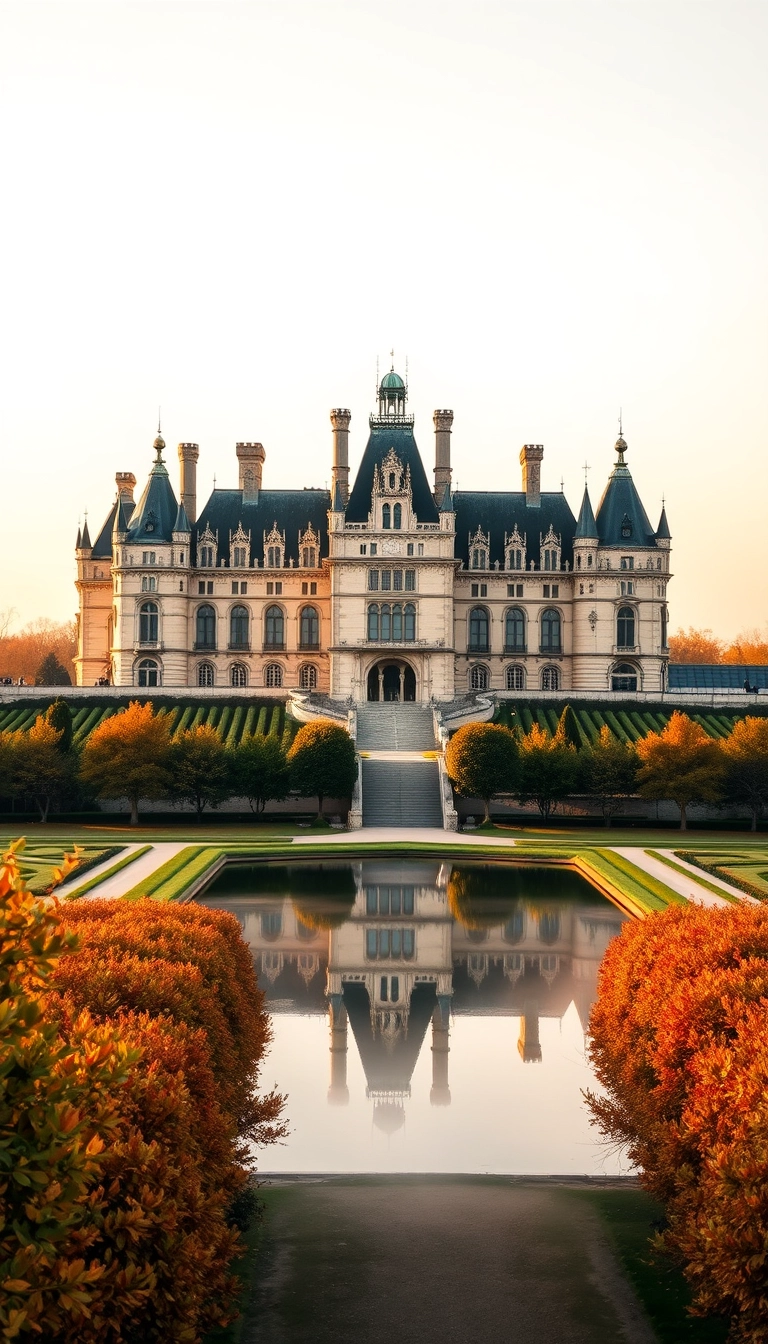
(391, 680)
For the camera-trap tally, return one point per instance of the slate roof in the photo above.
(182, 521)
(102, 547)
(292, 510)
(662, 531)
(383, 437)
(155, 513)
(621, 503)
(715, 676)
(497, 512)
(388, 1066)
(586, 527)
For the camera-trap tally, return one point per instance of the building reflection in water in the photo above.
(393, 950)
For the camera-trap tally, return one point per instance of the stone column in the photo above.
(442, 421)
(440, 1093)
(340, 419)
(188, 455)
(338, 1092)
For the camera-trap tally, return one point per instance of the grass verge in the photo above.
(701, 881)
(630, 1218)
(97, 881)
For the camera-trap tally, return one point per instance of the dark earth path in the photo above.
(403, 1261)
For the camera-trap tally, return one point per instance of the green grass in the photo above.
(742, 865)
(232, 719)
(702, 881)
(39, 858)
(77, 892)
(629, 722)
(630, 1218)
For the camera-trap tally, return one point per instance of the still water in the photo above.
(427, 1016)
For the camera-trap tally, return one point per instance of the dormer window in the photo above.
(386, 517)
(514, 550)
(392, 480)
(239, 548)
(206, 551)
(274, 548)
(479, 558)
(274, 557)
(479, 546)
(309, 545)
(550, 550)
(397, 515)
(206, 557)
(626, 527)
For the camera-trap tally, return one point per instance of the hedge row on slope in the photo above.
(628, 722)
(232, 720)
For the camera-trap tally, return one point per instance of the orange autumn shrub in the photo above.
(678, 1043)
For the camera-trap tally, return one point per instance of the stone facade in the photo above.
(393, 588)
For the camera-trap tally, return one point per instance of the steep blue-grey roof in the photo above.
(498, 511)
(102, 549)
(292, 510)
(446, 504)
(383, 437)
(621, 510)
(182, 521)
(586, 526)
(155, 513)
(662, 531)
(85, 540)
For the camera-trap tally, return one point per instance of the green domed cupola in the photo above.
(393, 392)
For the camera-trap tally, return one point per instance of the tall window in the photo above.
(479, 558)
(664, 618)
(397, 515)
(274, 629)
(239, 557)
(206, 628)
(478, 630)
(148, 673)
(478, 678)
(625, 628)
(274, 557)
(273, 675)
(238, 628)
(373, 580)
(515, 679)
(239, 675)
(396, 622)
(514, 631)
(308, 677)
(308, 557)
(549, 927)
(309, 628)
(409, 623)
(205, 674)
(550, 679)
(551, 641)
(148, 623)
(514, 558)
(148, 583)
(386, 520)
(373, 621)
(206, 557)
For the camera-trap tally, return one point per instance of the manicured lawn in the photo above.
(40, 857)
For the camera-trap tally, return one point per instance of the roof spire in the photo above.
(159, 443)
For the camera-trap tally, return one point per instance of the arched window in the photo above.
(550, 679)
(148, 623)
(478, 678)
(273, 675)
(409, 630)
(274, 557)
(385, 516)
(309, 628)
(550, 631)
(205, 636)
(308, 557)
(373, 621)
(271, 924)
(148, 672)
(239, 675)
(274, 629)
(205, 675)
(515, 678)
(238, 628)
(624, 677)
(397, 623)
(478, 630)
(514, 927)
(386, 621)
(397, 516)
(479, 558)
(625, 628)
(308, 677)
(514, 631)
(549, 927)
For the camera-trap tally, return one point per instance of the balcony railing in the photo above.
(554, 651)
(309, 646)
(515, 648)
(204, 646)
(270, 646)
(238, 647)
(142, 645)
(478, 648)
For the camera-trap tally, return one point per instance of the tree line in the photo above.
(680, 764)
(134, 756)
(41, 654)
(750, 648)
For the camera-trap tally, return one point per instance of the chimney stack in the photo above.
(530, 460)
(340, 419)
(126, 484)
(188, 455)
(251, 457)
(443, 421)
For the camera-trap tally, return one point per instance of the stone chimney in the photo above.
(530, 460)
(528, 1043)
(251, 458)
(440, 1093)
(126, 484)
(188, 455)
(443, 421)
(340, 419)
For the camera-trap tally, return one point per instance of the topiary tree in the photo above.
(547, 771)
(482, 760)
(608, 771)
(126, 756)
(323, 762)
(681, 764)
(201, 768)
(261, 771)
(568, 729)
(52, 673)
(59, 716)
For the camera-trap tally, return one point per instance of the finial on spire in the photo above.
(586, 469)
(621, 431)
(392, 357)
(158, 420)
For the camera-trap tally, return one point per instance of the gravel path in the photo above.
(457, 1262)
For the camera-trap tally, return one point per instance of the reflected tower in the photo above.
(440, 1092)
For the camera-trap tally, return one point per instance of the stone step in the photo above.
(392, 726)
(403, 793)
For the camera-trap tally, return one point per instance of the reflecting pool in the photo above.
(427, 1016)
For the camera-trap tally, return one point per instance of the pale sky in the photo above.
(554, 209)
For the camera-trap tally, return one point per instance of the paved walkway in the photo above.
(135, 872)
(398, 835)
(688, 887)
(454, 1262)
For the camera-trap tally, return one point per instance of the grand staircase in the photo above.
(400, 788)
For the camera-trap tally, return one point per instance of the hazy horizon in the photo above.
(553, 209)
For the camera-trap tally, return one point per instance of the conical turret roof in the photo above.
(662, 531)
(155, 514)
(586, 527)
(182, 521)
(85, 540)
(621, 519)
